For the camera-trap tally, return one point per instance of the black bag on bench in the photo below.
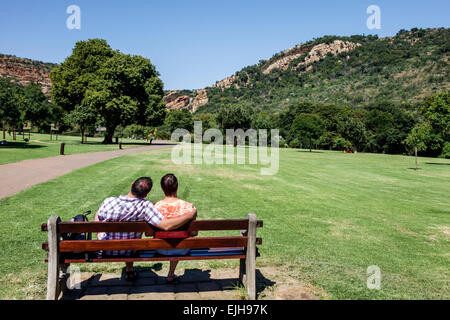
(79, 236)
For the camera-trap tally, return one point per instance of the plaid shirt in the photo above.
(125, 208)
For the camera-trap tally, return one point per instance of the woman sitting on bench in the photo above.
(172, 207)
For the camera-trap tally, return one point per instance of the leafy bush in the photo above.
(340, 144)
(446, 151)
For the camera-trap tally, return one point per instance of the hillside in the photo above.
(355, 70)
(26, 71)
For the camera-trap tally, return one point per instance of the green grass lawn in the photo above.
(41, 146)
(327, 217)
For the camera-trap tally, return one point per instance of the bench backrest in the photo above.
(165, 240)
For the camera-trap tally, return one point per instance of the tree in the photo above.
(9, 103)
(418, 138)
(340, 143)
(307, 126)
(234, 117)
(121, 89)
(36, 107)
(71, 79)
(137, 131)
(390, 124)
(208, 120)
(82, 116)
(127, 90)
(179, 119)
(287, 117)
(436, 111)
(262, 120)
(354, 131)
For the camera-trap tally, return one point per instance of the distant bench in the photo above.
(61, 253)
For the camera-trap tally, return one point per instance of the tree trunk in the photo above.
(108, 136)
(14, 133)
(415, 152)
(82, 135)
(4, 130)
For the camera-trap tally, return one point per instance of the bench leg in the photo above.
(250, 261)
(53, 288)
(242, 270)
(65, 276)
(250, 278)
(242, 262)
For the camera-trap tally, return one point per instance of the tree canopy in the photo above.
(120, 89)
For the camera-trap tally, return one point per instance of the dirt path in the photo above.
(18, 176)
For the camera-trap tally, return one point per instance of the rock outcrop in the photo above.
(226, 83)
(26, 71)
(286, 58)
(321, 50)
(200, 100)
(176, 100)
(312, 54)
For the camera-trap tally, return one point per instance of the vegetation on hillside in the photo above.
(11, 60)
(368, 99)
(404, 68)
(384, 95)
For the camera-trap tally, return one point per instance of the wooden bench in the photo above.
(61, 253)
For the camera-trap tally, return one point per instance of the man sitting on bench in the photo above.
(134, 207)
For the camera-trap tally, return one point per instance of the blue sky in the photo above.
(194, 43)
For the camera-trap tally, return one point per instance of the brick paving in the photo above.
(194, 284)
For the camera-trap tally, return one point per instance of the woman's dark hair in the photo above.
(169, 184)
(141, 187)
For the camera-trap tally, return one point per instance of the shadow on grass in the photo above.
(143, 144)
(148, 144)
(307, 151)
(438, 163)
(20, 145)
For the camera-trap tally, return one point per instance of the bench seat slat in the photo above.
(167, 258)
(153, 244)
(45, 244)
(197, 225)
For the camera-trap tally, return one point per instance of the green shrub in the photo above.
(446, 151)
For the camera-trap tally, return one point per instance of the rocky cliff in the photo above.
(186, 99)
(26, 71)
(311, 54)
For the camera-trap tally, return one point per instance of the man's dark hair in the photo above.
(169, 184)
(141, 187)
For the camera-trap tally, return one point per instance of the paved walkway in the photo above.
(19, 176)
(194, 284)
